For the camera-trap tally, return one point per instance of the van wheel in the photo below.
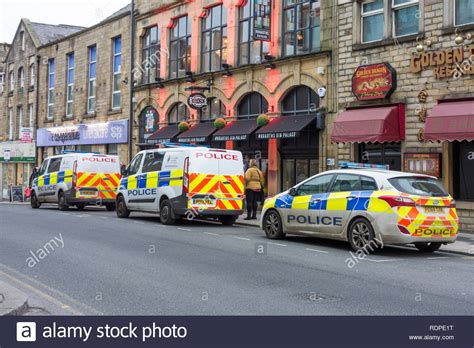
(428, 247)
(272, 225)
(80, 206)
(227, 220)
(110, 206)
(35, 204)
(362, 237)
(166, 211)
(122, 210)
(62, 204)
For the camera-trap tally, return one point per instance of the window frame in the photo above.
(11, 80)
(54, 160)
(210, 108)
(454, 17)
(368, 14)
(211, 30)
(32, 75)
(262, 102)
(145, 51)
(2, 82)
(50, 109)
(19, 111)
(175, 108)
(116, 75)
(31, 115)
(293, 93)
(177, 40)
(70, 84)
(91, 99)
(139, 159)
(394, 8)
(328, 188)
(21, 78)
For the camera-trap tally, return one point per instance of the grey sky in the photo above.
(75, 12)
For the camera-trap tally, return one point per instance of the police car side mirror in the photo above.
(124, 171)
(293, 191)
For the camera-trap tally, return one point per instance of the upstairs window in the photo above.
(70, 84)
(301, 26)
(91, 91)
(32, 75)
(10, 124)
(50, 113)
(214, 39)
(250, 51)
(151, 46)
(372, 21)
(11, 79)
(463, 12)
(22, 40)
(2, 83)
(180, 47)
(214, 109)
(21, 78)
(405, 17)
(20, 120)
(179, 112)
(117, 74)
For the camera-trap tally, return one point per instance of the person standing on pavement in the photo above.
(253, 189)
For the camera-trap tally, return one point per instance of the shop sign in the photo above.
(17, 152)
(422, 163)
(277, 135)
(197, 101)
(112, 132)
(262, 20)
(192, 140)
(452, 62)
(148, 122)
(26, 134)
(230, 137)
(16, 194)
(375, 81)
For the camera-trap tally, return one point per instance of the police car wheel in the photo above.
(227, 220)
(122, 210)
(272, 225)
(62, 204)
(362, 236)
(35, 204)
(428, 247)
(166, 210)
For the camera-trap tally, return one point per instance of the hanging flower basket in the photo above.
(219, 123)
(263, 120)
(183, 126)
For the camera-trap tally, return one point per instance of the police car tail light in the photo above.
(74, 174)
(186, 175)
(398, 201)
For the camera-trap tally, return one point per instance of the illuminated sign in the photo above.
(197, 101)
(375, 81)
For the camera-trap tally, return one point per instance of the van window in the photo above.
(418, 185)
(54, 165)
(43, 167)
(135, 165)
(67, 163)
(153, 162)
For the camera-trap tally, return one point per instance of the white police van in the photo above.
(184, 182)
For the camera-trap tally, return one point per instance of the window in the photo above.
(50, 89)
(135, 165)
(368, 184)
(54, 165)
(372, 22)
(21, 77)
(10, 124)
(319, 184)
(20, 120)
(214, 109)
(214, 39)
(92, 83)
(32, 75)
(84, 148)
(2, 82)
(43, 168)
(31, 123)
(70, 84)
(345, 183)
(117, 74)
(180, 47)
(250, 51)
(112, 149)
(420, 186)
(463, 12)
(22, 40)
(153, 162)
(179, 112)
(385, 153)
(405, 17)
(151, 46)
(252, 105)
(300, 100)
(11, 78)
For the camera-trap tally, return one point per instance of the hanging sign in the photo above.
(197, 101)
(148, 122)
(262, 19)
(375, 81)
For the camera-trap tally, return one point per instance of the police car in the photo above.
(368, 207)
(184, 182)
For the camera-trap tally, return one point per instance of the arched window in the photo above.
(214, 109)
(301, 100)
(32, 75)
(252, 105)
(21, 77)
(179, 112)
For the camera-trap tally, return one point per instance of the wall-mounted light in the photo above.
(125, 81)
(419, 45)
(189, 77)
(226, 67)
(269, 65)
(159, 84)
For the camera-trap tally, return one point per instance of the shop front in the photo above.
(17, 160)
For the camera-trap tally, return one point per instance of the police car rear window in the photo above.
(422, 186)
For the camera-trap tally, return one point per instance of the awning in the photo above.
(285, 127)
(199, 133)
(368, 125)
(165, 134)
(236, 130)
(451, 121)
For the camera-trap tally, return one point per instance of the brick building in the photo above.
(208, 47)
(411, 65)
(84, 99)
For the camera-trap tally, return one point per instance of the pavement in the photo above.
(12, 300)
(91, 262)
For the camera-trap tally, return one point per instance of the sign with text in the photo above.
(16, 151)
(277, 135)
(197, 101)
(148, 122)
(423, 163)
(375, 81)
(112, 132)
(262, 20)
(26, 134)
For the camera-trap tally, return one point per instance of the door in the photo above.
(148, 180)
(40, 181)
(231, 181)
(132, 194)
(51, 179)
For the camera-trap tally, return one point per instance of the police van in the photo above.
(184, 182)
(77, 179)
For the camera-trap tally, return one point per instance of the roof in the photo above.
(124, 10)
(47, 33)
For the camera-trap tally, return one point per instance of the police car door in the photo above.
(130, 183)
(148, 180)
(51, 179)
(39, 181)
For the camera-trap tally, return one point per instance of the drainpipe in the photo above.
(132, 64)
(35, 130)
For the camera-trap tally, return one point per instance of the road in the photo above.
(137, 266)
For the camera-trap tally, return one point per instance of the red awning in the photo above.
(368, 125)
(451, 121)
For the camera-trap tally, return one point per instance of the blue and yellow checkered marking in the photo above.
(152, 180)
(53, 178)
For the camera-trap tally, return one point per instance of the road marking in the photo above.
(372, 260)
(104, 217)
(318, 251)
(139, 222)
(184, 229)
(211, 234)
(437, 257)
(241, 238)
(278, 244)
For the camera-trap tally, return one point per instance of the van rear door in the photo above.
(98, 176)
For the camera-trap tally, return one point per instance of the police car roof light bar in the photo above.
(353, 165)
(172, 145)
(65, 152)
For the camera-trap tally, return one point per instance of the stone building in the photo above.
(84, 99)
(198, 61)
(406, 90)
(19, 99)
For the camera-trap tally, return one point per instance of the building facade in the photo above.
(199, 61)
(84, 100)
(406, 90)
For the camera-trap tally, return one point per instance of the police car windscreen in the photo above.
(98, 164)
(415, 185)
